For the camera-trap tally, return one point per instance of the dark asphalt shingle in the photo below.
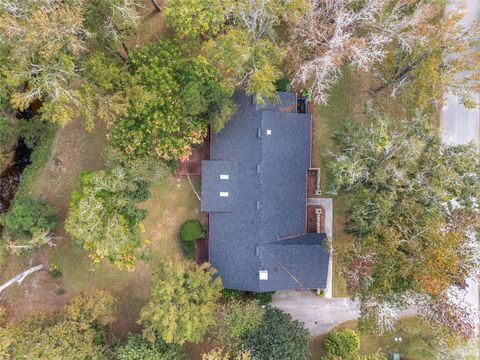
(266, 154)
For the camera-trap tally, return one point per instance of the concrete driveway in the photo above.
(320, 315)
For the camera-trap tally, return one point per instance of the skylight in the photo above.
(223, 176)
(224, 193)
(269, 132)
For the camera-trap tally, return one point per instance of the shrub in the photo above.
(264, 298)
(191, 230)
(343, 343)
(55, 270)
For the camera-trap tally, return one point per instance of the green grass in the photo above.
(416, 341)
(345, 102)
(171, 203)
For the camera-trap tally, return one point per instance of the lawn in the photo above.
(415, 344)
(347, 101)
(171, 203)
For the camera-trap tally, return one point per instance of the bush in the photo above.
(55, 270)
(343, 343)
(264, 298)
(27, 216)
(191, 230)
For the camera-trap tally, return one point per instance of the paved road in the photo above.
(319, 314)
(461, 126)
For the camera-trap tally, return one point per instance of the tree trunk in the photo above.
(402, 74)
(20, 277)
(157, 7)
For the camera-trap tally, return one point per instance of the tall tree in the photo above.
(335, 32)
(182, 303)
(194, 18)
(177, 97)
(139, 348)
(278, 337)
(103, 216)
(411, 208)
(76, 332)
(41, 40)
(448, 61)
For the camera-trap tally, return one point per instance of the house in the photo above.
(254, 188)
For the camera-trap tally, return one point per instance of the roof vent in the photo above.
(224, 193)
(269, 132)
(259, 133)
(223, 176)
(263, 274)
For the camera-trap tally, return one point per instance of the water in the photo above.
(11, 176)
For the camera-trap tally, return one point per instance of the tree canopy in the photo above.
(103, 216)
(278, 337)
(182, 303)
(76, 332)
(411, 207)
(139, 348)
(181, 95)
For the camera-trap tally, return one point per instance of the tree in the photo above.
(180, 96)
(278, 337)
(76, 332)
(182, 303)
(342, 343)
(247, 52)
(41, 40)
(411, 211)
(333, 33)
(194, 18)
(219, 354)
(238, 318)
(28, 225)
(103, 216)
(448, 61)
(139, 348)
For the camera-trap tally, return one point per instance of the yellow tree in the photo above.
(182, 303)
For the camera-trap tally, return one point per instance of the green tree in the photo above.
(343, 343)
(76, 332)
(410, 209)
(238, 318)
(139, 348)
(28, 225)
(103, 216)
(27, 216)
(278, 337)
(194, 18)
(179, 97)
(182, 303)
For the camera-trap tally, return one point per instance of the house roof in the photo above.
(255, 191)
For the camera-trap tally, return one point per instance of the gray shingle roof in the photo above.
(266, 155)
